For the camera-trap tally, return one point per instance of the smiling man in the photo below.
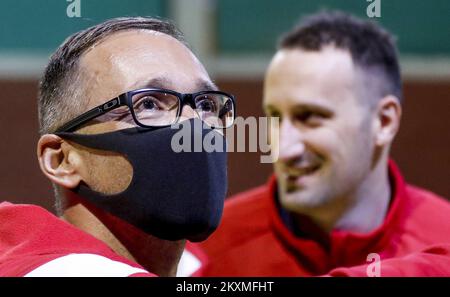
(336, 199)
(127, 200)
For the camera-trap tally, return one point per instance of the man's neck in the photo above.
(370, 204)
(155, 255)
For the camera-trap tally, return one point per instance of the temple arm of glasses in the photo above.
(91, 114)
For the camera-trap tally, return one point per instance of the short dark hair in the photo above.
(371, 47)
(60, 97)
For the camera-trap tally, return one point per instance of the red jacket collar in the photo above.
(346, 248)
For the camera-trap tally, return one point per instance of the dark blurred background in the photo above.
(235, 39)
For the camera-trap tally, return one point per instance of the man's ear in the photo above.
(388, 115)
(59, 161)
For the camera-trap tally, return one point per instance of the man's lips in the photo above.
(295, 176)
(295, 172)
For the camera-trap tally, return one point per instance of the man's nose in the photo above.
(188, 113)
(291, 142)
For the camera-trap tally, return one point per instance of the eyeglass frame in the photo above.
(125, 99)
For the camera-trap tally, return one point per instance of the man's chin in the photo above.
(300, 199)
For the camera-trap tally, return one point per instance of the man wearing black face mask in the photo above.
(107, 101)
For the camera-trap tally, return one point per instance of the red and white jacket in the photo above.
(252, 240)
(34, 242)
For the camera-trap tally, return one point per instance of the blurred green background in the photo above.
(242, 26)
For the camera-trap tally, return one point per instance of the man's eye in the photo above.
(148, 103)
(309, 117)
(207, 105)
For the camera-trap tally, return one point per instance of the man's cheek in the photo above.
(110, 174)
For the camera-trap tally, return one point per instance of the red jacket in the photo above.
(252, 240)
(33, 242)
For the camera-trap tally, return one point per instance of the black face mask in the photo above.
(172, 195)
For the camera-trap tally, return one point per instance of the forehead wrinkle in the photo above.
(160, 82)
(164, 82)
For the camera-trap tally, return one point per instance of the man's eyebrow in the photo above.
(303, 107)
(313, 107)
(269, 107)
(206, 86)
(157, 83)
(165, 83)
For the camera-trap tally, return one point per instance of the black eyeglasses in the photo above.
(160, 107)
